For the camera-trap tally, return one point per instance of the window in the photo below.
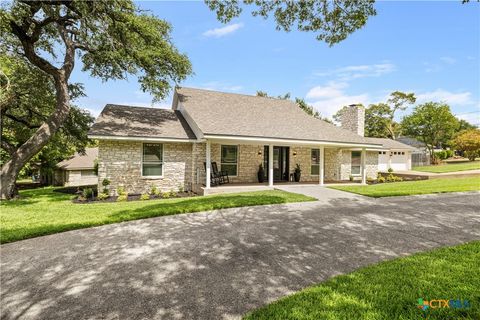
(315, 164)
(229, 161)
(356, 162)
(152, 162)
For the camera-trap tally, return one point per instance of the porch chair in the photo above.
(222, 174)
(215, 179)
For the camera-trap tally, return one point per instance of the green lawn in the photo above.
(390, 290)
(43, 211)
(450, 167)
(414, 187)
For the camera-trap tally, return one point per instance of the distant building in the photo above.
(78, 170)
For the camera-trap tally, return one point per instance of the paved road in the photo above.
(219, 265)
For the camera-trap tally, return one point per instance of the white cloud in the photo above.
(448, 60)
(458, 99)
(220, 32)
(359, 71)
(330, 98)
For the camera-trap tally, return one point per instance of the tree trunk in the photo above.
(38, 140)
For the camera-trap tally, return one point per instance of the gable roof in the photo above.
(228, 114)
(390, 143)
(80, 161)
(140, 122)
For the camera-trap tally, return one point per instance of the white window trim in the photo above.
(315, 164)
(238, 154)
(162, 162)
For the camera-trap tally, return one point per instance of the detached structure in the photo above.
(171, 149)
(78, 170)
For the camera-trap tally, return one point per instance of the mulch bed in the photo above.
(135, 197)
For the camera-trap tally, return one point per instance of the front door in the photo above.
(280, 163)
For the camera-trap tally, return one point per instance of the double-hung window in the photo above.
(152, 160)
(315, 163)
(229, 160)
(356, 162)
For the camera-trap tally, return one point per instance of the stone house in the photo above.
(174, 149)
(77, 170)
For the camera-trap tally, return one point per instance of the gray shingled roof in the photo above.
(80, 161)
(127, 121)
(219, 113)
(390, 144)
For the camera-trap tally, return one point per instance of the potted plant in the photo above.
(261, 173)
(297, 173)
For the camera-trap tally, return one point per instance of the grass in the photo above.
(450, 167)
(43, 211)
(414, 187)
(390, 290)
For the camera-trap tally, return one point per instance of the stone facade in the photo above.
(121, 163)
(74, 178)
(353, 119)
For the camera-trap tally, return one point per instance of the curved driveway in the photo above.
(219, 265)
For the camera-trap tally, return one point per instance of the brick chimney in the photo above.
(353, 118)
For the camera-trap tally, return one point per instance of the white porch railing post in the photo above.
(322, 164)
(208, 163)
(270, 165)
(364, 171)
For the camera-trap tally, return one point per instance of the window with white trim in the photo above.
(152, 160)
(229, 159)
(356, 162)
(315, 163)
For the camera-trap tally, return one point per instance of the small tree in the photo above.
(468, 141)
(431, 123)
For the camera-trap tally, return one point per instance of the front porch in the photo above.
(249, 187)
(326, 163)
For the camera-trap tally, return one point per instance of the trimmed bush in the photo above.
(122, 197)
(87, 193)
(121, 191)
(381, 179)
(145, 196)
(102, 196)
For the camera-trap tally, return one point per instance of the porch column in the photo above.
(322, 164)
(364, 171)
(208, 163)
(270, 165)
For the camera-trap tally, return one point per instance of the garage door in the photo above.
(383, 160)
(399, 161)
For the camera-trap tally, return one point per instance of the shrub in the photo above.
(87, 193)
(370, 180)
(397, 179)
(102, 196)
(449, 153)
(122, 197)
(390, 170)
(381, 179)
(166, 195)
(105, 182)
(181, 189)
(153, 190)
(121, 191)
(173, 194)
(350, 178)
(145, 196)
(442, 155)
(472, 155)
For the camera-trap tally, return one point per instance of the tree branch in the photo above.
(22, 121)
(8, 147)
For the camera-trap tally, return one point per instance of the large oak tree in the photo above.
(114, 39)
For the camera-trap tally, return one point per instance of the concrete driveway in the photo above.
(219, 265)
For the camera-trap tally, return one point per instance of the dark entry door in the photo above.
(280, 163)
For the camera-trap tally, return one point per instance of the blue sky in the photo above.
(429, 48)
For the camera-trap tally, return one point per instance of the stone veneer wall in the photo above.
(120, 162)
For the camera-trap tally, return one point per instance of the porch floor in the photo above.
(247, 187)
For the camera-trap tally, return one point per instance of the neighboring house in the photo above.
(420, 154)
(171, 149)
(78, 170)
(394, 154)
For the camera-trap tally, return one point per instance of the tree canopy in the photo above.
(332, 21)
(468, 141)
(431, 123)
